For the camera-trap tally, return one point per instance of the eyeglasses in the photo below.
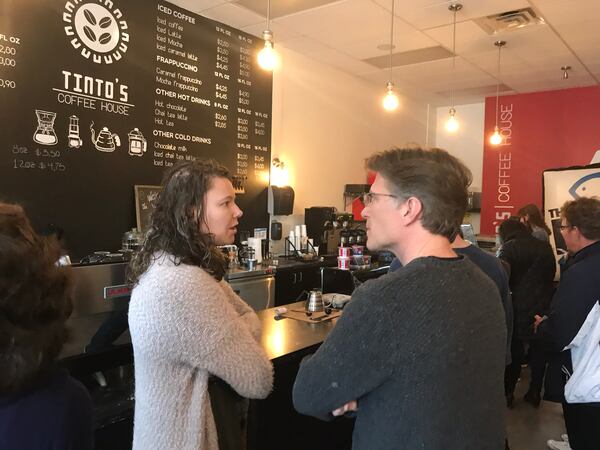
(369, 196)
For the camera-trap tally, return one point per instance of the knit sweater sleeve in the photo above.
(347, 365)
(190, 320)
(246, 313)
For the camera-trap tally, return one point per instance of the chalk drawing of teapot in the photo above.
(106, 141)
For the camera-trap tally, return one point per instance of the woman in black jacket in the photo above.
(532, 268)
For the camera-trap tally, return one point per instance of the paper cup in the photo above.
(343, 263)
(344, 252)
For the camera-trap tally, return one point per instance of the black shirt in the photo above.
(55, 414)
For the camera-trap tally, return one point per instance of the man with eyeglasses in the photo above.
(418, 354)
(568, 330)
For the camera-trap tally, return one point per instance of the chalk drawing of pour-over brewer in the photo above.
(44, 133)
(106, 141)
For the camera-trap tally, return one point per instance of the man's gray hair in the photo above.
(439, 180)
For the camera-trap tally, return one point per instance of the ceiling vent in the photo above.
(509, 20)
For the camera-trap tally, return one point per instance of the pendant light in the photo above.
(496, 138)
(390, 101)
(267, 57)
(565, 70)
(452, 123)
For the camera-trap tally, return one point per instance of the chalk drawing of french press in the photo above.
(137, 142)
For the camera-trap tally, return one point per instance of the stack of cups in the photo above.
(298, 238)
(343, 258)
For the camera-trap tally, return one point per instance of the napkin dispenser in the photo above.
(280, 200)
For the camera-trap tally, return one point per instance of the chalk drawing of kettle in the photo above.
(106, 141)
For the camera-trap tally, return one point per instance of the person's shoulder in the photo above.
(589, 264)
(60, 393)
(77, 392)
(479, 256)
(168, 270)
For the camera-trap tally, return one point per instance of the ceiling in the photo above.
(346, 34)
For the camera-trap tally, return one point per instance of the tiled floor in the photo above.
(529, 428)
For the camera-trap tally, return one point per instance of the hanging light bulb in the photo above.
(452, 124)
(496, 137)
(390, 101)
(565, 70)
(267, 57)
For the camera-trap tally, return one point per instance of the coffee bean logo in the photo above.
(105, 22)
(89, 16)
(104, 38)
(97, 29)
(89, 33)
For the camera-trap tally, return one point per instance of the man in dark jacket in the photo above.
(577, 293)
(532, 269)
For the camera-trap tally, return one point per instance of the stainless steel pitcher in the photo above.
(314, 303)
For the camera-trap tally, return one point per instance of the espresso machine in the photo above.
(319, 226)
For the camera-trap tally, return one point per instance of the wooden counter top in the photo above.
(283, 337)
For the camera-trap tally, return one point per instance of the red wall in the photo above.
(541, 131)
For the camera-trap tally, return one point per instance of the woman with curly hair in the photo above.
(531, 216)
(41, 406)
(187, 325)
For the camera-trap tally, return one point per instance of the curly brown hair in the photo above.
(175, 223)
(36, 299)
(533, 216)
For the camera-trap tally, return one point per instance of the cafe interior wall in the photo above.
(325, 123)
(466, 144)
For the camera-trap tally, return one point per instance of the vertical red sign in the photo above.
(540, 131)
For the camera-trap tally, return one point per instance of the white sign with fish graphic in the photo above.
(561, 185)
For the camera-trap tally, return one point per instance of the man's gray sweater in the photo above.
(422, 350)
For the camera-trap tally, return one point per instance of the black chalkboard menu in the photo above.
(99, 96)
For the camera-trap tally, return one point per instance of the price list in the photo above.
(108, 95)
(9, 49)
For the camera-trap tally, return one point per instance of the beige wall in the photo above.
(466, 144)
(326, 122)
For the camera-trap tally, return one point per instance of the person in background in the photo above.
(41, 406)
(565, 329)
(404, 348)
(188, 327)
(532, 268)
(531, 216)
(492, 267)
